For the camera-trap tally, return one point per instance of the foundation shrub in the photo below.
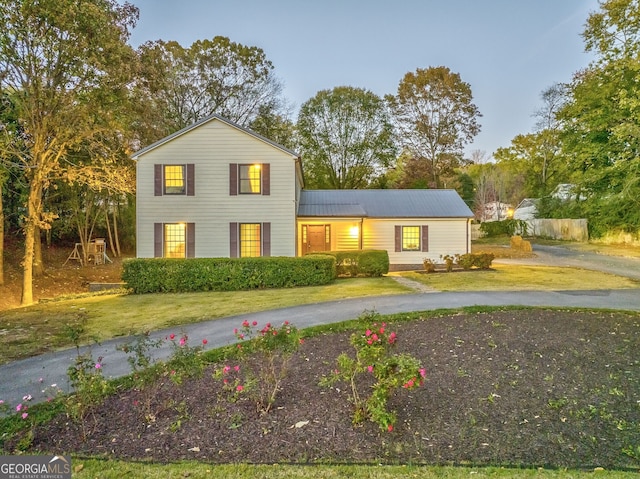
(367, 263)
(162, 275)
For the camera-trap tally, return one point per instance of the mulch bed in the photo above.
(517, 387)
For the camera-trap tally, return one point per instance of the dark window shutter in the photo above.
(266, 239)
(425, 238)
(191, 240)
(398, 238)
(157, 240)
(157, 180)
(233, 179)
(233, 240)
(266, 179)
(191, 179)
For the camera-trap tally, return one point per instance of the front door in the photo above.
(315, 238)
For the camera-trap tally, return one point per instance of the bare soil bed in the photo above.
(515, 387)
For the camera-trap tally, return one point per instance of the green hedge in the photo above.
(505, 227)
(162, 275)
(367, 263)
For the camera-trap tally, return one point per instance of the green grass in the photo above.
(521, 278)
(42, 327)
(93, 468)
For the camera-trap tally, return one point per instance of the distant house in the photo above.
(527, 209)
(216, 189)
(495, 211)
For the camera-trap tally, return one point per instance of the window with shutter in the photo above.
(249, 179)
(411, 238)
(174, 180)
(174, 240)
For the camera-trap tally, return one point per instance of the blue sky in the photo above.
(507, 50)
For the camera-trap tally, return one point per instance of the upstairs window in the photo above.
(174, 180)
(250, 179)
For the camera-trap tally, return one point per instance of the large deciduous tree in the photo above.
(65, 63)
(346, 138)
(435, 118)
(601, 121)
(181, 85)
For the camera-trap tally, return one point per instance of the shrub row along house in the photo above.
(216, 189)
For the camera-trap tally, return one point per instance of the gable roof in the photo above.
(205, 120)
(383, 204)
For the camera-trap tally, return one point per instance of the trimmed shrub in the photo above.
(367, 263)
(483, 260)
(506, 227)
(477, 260)
(429, 265)
(466, 261)
(163, 275)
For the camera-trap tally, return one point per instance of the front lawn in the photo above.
(509, 277)
(44, 327)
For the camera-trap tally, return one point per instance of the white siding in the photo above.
(446, 236)
(211, 147)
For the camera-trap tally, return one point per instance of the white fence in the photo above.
(563, 229)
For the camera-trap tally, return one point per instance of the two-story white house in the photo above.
(216, 189)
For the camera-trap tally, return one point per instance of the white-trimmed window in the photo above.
(174, 179)
(411, 238)
(250, 240)
(174, 240)
(250, 179)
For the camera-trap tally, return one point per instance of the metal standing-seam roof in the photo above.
(383, 204)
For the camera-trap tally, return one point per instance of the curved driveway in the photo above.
(31, 376)
(567, 257)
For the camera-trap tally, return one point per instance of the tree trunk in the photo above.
(118, 252)
(109, 233)
(27, 266)
(38, 265)
(34, 208)
(1, 239)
